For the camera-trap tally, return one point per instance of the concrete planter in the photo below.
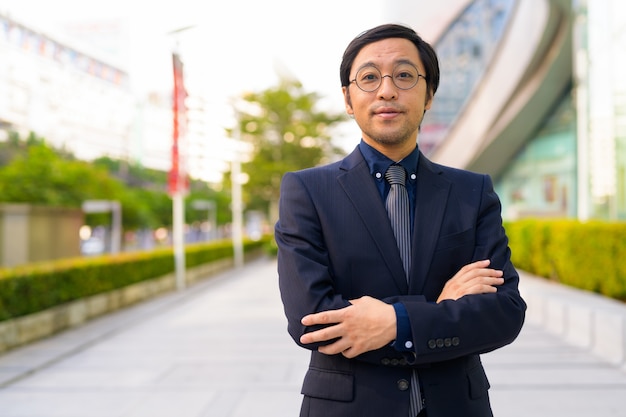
(23, 330)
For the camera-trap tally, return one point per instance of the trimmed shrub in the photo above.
(35, 287)
(586, 255)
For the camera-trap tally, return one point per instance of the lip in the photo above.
(387, 112)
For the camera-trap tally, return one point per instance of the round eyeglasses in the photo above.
(404, 76)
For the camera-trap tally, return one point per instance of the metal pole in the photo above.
(213, 221)
(177, 177)
(237, 208)
(116, 229)
(179, 238)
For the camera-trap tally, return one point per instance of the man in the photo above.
(393, 335)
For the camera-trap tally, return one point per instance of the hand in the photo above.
(368, 324)
(474, 278)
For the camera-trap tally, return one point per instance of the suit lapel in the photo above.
(430, 203)
(357, 184)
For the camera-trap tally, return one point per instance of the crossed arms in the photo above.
(369, 324)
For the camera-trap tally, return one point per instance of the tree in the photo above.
(287, 133)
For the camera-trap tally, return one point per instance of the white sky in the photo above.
(238, 45)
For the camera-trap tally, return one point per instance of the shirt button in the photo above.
(403, 385)
(413, 176)
(379, 175)
(408, 344)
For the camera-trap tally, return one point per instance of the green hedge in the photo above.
(35, 287)
(587, 255)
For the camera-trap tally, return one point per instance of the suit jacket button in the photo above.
(394, 362)
(432, 344)
(439, 343)
(455, 341)
(385, 361)
(403, 384)
(447, 342)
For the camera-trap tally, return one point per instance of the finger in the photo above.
(471, 270)
(485, 289)
(485, 280)
(484, 285)
(481, 273)
(475, 265)
(481, 289)
(324, 317)
(350, 353)
(322, 335)
(496, 281)
(340, 346)
(491, 272)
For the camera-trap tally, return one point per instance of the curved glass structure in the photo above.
(465, 51)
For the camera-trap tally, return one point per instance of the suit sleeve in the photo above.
(473, 324)
(304, 275)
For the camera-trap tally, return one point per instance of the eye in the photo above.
(405, 75)
(368, 75)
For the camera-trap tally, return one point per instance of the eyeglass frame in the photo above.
(388, 75)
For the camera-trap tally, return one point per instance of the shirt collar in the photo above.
(378, 163)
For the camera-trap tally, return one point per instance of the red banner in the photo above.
(177, 179)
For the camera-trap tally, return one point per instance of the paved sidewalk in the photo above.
(539, 375)
(220, 349)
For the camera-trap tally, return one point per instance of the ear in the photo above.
(347, 101)
(429, 102)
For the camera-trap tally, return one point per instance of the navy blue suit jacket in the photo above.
(335, 243)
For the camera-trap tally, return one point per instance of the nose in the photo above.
(387, 90)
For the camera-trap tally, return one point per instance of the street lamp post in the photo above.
(178, 175)
(237, 203)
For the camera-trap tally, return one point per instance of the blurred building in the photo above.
(75, 92)
(73, 98)
(532, 94)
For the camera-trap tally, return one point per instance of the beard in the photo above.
(391, 136)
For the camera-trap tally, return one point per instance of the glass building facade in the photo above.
(465, 51)
(541, 180)
(574, 164)
(600, 42)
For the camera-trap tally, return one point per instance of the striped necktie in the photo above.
(397, 206)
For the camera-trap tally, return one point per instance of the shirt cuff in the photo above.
(404, 335)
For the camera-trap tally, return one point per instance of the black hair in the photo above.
(426, 52)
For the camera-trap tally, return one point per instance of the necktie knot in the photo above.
(395, 175)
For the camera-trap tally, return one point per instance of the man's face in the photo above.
(389, 117)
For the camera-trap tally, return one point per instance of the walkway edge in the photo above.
(581, 318)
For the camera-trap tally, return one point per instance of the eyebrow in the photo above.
(396, 63)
